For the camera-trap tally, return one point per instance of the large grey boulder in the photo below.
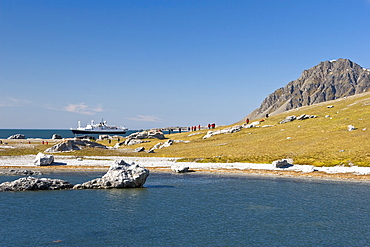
(32, 183)
(70, 145)
(151, 134)
(43, 159)
(65, 146)
(288, 119)
(119, 175)
(132, 141)
(17, 136)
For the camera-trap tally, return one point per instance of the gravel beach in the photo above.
(158, 164)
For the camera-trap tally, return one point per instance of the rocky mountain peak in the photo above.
(326, 81)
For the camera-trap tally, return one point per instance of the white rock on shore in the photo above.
(105, 162)
(43, 159)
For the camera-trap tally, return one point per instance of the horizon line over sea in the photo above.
(48, 133)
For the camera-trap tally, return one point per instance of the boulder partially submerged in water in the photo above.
(13, 172)
(32, 183)
(119, 175)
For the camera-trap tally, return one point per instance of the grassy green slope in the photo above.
(317, 141)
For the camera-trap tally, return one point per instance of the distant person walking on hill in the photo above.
(247, 121)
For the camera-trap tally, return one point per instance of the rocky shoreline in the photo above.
(159, 164)
(119, 175)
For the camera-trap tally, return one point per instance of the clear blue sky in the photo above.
(159, 63)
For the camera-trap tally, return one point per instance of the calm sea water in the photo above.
(45, 133)
(48, 133)
(190, 210)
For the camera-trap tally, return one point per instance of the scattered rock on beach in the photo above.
(17, 136)
(32, 183)
(284, 163)
(70, 145)
(288, 119)
(252, 125)
(13, 172)
(43, 159)
(155, 134)
(105, 137)
(179, 168)
(351, 128)
(228, 130)
(85, 137)
(119, 175)
(132, 141)
(140, 149)
(301, 117)
(156, 146)
(167, 144)
(56, 136)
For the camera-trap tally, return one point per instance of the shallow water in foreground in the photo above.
(190, 210)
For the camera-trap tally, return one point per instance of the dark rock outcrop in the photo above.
(13, 172)
(284, 163)
(32, 183)
(326, 81)
(56, 136)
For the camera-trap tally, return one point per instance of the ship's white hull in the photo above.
(77, 131)
(101, 128)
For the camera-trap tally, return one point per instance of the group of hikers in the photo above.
(262, 120)
(195, 128)
(192, 128)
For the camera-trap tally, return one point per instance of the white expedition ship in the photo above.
(101, 128)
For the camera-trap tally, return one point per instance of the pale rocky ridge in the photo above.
(326, 81)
